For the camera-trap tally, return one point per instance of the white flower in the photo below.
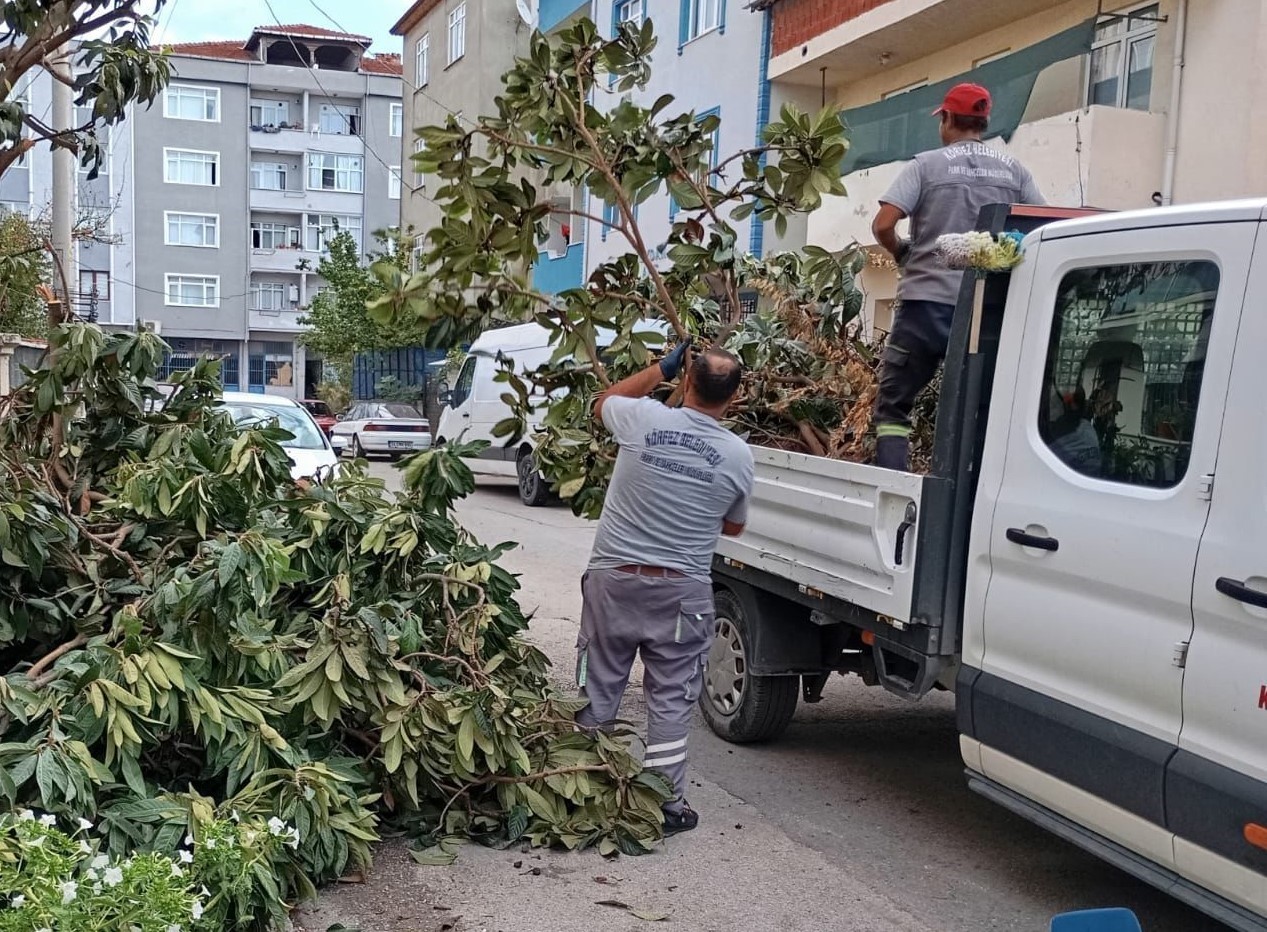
(36, 842)
(113, 876)
(70, 890)
(209, 842)
(189, 839)
(96, 888)
(91, 874)
(186, 856)
(176, 871)
(26, 815)
(84, 847)
(197, 910)
(48, 820)
(250, 835)
(294, 838)
(234, 816)
(175, 928)
(203, 891)
(100, 862)
(276, 826)
(18, 901)
(85, 825)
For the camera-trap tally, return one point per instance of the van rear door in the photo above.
(1216, 785)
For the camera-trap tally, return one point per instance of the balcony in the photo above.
(1119, 169)
(286, 321)
(559, 272)
(304, 140)
(554, 12)
(282, 260)
(888, 34)
(275, 201)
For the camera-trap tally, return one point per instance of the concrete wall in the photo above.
(494, 36)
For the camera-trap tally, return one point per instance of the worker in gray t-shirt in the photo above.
(681, 480)
(942, 191)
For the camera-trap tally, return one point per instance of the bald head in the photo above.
(715, 376)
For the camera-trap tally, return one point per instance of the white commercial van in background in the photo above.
(1085, 565)
(474, 405)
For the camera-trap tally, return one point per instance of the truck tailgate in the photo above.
(834, 527)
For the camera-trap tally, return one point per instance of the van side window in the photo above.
(1124, 365)
(462, 388)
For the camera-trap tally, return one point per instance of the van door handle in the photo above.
(1235, 589)
(1025, 539)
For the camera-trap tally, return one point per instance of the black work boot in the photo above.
(893, 453)
(683, 820)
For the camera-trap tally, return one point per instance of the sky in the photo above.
(202, 20)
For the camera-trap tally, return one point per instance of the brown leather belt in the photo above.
(658, 572)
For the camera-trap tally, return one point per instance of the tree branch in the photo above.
(79, 640)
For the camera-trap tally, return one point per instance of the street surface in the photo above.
(858, 817)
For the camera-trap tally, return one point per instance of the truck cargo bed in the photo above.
(834, 527)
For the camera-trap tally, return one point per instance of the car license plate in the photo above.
(399, 445)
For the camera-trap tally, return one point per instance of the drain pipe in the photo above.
(1172, 118)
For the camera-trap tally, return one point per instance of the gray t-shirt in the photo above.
(943, 191)
(678, 474)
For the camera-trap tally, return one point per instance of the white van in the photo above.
(474, 405)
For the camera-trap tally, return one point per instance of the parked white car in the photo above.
(390, 427)
(309, 450)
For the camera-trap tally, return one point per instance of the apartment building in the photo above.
(455, 53)
(257, 153)
(1090, 95)
(711, 58)
(100, 270)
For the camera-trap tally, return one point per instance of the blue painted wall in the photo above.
(553, 12)
(551, 275)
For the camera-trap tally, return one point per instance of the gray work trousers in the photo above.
(669, 622)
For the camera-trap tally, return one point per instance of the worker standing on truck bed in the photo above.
(681, 480)
(942, 191)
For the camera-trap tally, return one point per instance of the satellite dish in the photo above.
(527, 12)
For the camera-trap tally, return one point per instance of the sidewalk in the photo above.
(735, 872)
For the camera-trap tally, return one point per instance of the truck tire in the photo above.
(533, 489)
(740, 707)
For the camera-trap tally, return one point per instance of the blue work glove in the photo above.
(671, 364)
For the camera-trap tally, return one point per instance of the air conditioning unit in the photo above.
(153, 326)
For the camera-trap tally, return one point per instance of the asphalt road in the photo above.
(867, 782)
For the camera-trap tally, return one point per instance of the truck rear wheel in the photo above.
(738, 706)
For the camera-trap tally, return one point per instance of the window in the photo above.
(270, 113)
(611, 215)
(274, 236)
(416, 254)
(270, 363)
(422, 61)
(462, 386)
(628, 11)
(701, 16)
(268, 296)
(268, 176)
(328, 172)
(339, 120)
(1121, 65)
(1124, 369)
(420, 180)
(94, 283)
(193, 229)
(190, 102)
(322, 228)
(190, 166)
(457, 32)
(193, 290)
(396, 120)
(393, 183)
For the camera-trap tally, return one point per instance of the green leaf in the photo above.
(435, 856)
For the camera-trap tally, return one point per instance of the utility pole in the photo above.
(63, 183)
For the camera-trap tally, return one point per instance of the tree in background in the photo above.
(24, 266)
(340, 325)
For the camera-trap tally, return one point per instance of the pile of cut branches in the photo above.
(186, 634)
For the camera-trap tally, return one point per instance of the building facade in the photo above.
(1110, 105)
(255, 155)
(101, 268)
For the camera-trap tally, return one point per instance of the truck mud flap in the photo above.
(905, 672)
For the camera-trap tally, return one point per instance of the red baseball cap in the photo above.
(965, 100)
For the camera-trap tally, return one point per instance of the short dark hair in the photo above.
(969, 124)
(715, 376)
